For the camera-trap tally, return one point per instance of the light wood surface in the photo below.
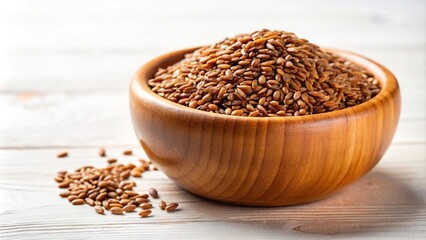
(263, 161)
(65, 67)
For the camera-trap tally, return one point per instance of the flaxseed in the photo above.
(102, 152)
(265, 73)
(107, 188)
(145, 213)
(153, 192)
(171, 207)
(62, 154)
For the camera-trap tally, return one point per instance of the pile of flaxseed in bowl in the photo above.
(109, 188)
(265, 74)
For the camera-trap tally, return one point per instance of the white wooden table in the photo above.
(64, 73)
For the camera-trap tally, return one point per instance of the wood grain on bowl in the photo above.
(264, 161)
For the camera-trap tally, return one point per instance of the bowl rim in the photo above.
(140, 88)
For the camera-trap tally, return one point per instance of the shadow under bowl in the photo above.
(263, 161)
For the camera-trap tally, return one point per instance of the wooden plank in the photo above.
(113, 72)
(98, 118)
(130, 24)
(84, 72)
(69, 72)
(66, 120)
(387, 202)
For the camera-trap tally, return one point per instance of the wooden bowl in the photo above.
(269, 161)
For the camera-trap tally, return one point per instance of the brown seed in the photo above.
(112, 160)
(131, 193)
(59, 179)
(64, 184)
(223, 66)
(94, 195)
(105, 204)
(237, 112)
(62, 154)
(99, 209)
(171, 207)
(101, 196)
(119, 191)
(228, 74)
(77, 201)
(64, 194)
(255, 62)
(113, 205)
(143, 195)
(135, 173)
(329, 103)
(116, 210)
(212, 107)
(297, 95)
(153, 192)
(141, 200)
(162, 205)
(129, 208)
(62, 173)
(82, 195)
(102, 184)
(102, 152)
(277, 95)
(124, 202)
(125, 174)
(145, 213)
(262, 80)
(146, 205)
(127, 152)
(112, 194)
(72, 198)
(136, 203)
(241, 93)
(89, 201)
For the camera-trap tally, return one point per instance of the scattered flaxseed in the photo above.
(153, 192)
(90, 201)
(64, 184)
(64, 194)
(146, 205)
(77, 201)
(136, 173)
(58, 179)
(143, 195)
(162, 205)
(102, 152)
(129, 208)
(99, 209)
(72, 198)
(107, 188)
(62, 154)
(116, 210)
(171, 207)
(112, 160)
(115, 205)
(136, 203)
(145, 213)
(127, 152)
